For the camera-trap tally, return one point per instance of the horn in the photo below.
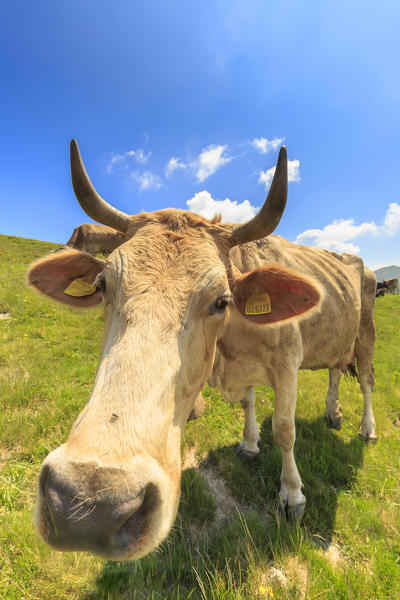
(93, 204)
(267, 219)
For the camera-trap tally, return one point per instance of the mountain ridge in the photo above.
(387, 272)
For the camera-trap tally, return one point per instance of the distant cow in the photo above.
(388, 286)
(392, 285)
(96, 239)
(381, 288)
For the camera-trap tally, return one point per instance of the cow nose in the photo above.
(95, 509)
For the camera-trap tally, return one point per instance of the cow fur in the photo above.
(95, 239)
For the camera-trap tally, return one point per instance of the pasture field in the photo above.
(228, 541)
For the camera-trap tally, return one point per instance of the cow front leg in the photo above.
(333, 409)
(291, 499)
(248, 447)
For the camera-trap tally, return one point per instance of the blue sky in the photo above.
(184, 104)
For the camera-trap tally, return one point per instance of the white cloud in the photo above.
(209, 161)
(115, 160)
(174, 164)
(339, 234)
(139, 155)
(392, 219)
(146, 180)
(264, 145)
(265, 177)
(230, 210)
(121, 159)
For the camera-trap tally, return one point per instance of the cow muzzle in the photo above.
(115, 513)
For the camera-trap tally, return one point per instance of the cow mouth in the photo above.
(136, 530)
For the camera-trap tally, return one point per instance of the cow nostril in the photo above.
(137, 522)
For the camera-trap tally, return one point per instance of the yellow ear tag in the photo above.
(80, 287)
(258, 304)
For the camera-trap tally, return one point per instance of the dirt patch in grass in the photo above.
(227, 506)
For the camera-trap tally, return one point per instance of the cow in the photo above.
(96, 239)
(186, 300)
(387, 286)
(391, 285)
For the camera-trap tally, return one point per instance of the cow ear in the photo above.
(271, 294)
(68, 277)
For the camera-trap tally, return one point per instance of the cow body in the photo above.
(95, 239)
(329, 332)
(338, 331)
(187, 299)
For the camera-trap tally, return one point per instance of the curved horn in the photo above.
(267, 219)
(93, 204)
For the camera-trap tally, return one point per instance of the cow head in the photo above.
(113, 487)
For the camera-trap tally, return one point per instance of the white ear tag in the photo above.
(80, 287)
(258, 304)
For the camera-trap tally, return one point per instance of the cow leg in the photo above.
(364, 350)
(198, 408)
(248, 447)
(283, 428)
(367, 383)
(333, 409)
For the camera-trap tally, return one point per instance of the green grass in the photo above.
(48, 360)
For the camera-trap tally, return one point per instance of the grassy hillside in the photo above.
(228, 542)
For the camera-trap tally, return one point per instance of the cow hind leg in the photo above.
(248, 447)
(333, 411)
(364, 350)
(367, 383)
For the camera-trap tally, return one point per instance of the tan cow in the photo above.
(182, 295)
(392, 285)
(96, 239)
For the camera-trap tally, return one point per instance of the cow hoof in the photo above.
(293, 514)
(245, 454)
(368, 436)
(296, 513)
(334, 422)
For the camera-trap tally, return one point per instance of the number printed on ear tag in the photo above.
(80, 287)
(258, 304)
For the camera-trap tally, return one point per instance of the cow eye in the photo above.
(220, 304)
